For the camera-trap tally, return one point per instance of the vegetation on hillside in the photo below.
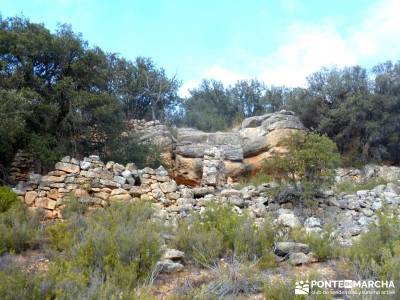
(60, 96)
(308, 164)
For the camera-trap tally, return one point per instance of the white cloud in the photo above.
(312, 46)
(226, 76)
(307, 49)
(187, 86)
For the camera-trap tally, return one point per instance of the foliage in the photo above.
(322, 244)
(219, 231)
(254, 179)
(375, 255)
(111, 250)
(19, 230)
(131, 149)
(58, 95)
(7, 198)
(310, 158)
(234, 277)
(350, 186)
(73, 206)
(284, 289)
(16, 284)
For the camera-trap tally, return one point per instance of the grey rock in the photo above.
(85, 165)
(312, 222)
(283, 248)
(168, 266)
(119, 179)
(289, 220)
(298, 258)
(236, 200)
(173, 254)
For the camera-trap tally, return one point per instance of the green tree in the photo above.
(310, 159)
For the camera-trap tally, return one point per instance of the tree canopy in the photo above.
(58, 95)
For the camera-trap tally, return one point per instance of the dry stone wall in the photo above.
(99, 184)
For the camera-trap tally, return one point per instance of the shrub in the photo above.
(322, 244)
(59, 236)
(375, 255)
(7, 198)
(350, 186)
(233, 278)
(254, 179)
(130, 149)
(220, 231)
(310, 159)
(19, 230)
(284, 289)
(115, 248)
(16, 284)
(73, 206)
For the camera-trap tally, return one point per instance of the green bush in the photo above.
(7, 198)
(322, 244)
(254, 179)
(59, 236)
(310, 159)
(16, 284)
(73, 206)
(19, 229)
(115, 248)
(375, 255)
(129, 149)
(350, 186)
(284, 289)
(219, 231)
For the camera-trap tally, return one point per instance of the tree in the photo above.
(249, 97)
(310, 159)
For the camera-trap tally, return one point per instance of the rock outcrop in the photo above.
(244, 148)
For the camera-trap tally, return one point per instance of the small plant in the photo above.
(322, 244)
(278, 289)
(235, 277)
(16, 284)
(254, 179)
(19, 230)
(376, 253)
(112, 250)
(350, 187)
(73, 206)
(7, 198)
(309, 159)
(219, 231)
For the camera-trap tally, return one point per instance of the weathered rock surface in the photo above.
(244, 148)
(284, 248)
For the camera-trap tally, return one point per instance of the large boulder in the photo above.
(245, 147)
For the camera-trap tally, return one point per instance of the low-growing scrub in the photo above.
(16, 284)
(277, 289)
(229, 279)
(219, 231)
(350, 187)
(19, 229)
(376, 255)
(7, 198)
(322, 244)
(116, 248)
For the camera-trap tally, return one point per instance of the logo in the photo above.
(302, 288)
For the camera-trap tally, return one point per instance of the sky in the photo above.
(280, 42)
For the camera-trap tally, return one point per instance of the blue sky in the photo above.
(279, 42)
